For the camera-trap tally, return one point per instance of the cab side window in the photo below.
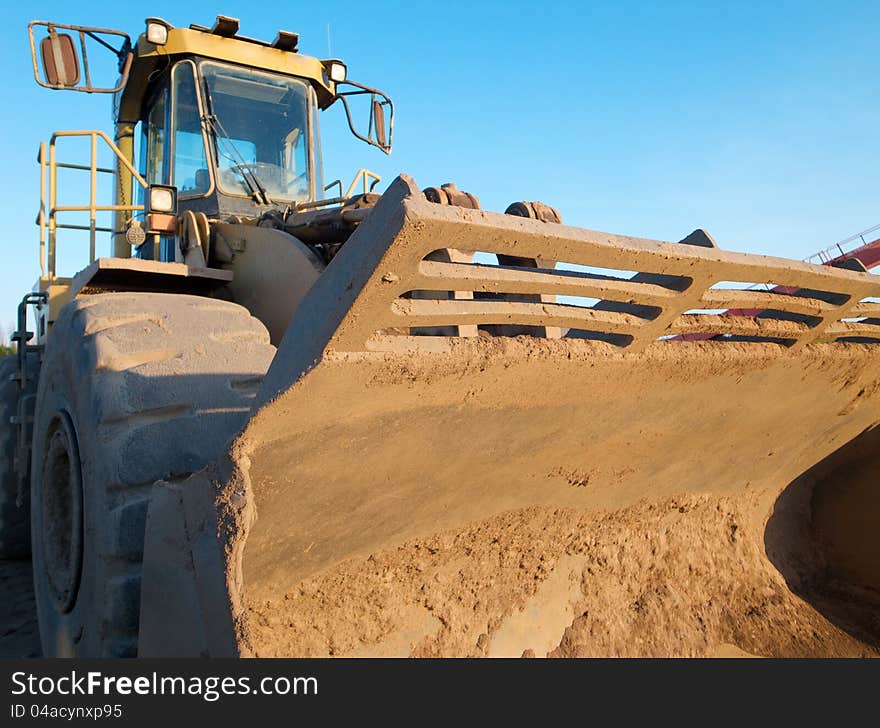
(190, 173)
(155, 158)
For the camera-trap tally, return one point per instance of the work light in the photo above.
(163, 198)
(337, 71)
(157, 31)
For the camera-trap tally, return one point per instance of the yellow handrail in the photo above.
(47, 216)
(363, 174)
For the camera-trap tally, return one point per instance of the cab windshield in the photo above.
(259, 131)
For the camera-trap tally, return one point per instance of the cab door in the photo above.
(174, 148)
(190, 171)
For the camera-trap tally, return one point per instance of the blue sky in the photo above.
(756, 121)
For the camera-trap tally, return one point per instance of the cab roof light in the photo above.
(286, 41)
(225, 26)
(157, 31)
(336, 70)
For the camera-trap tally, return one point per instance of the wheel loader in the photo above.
(287, 418)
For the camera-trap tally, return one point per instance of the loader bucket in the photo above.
(455, 494)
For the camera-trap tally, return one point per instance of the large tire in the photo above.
(135, 388)
(15, 525)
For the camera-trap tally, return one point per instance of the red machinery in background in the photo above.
(842, 254)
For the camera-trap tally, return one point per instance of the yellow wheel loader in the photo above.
(286, 418)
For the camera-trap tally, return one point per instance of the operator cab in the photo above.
(230, 138)
(210, 127)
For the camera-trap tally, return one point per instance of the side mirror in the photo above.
(378, 132)
(60, 62)
(378, 122)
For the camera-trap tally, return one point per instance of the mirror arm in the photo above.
(85, 57)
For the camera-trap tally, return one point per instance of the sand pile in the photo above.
(529, 496)
(685, 577)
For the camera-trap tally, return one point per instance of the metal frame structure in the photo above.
(684, 281)
(379, 143)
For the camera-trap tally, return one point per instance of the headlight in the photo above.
(337, 71)
(157, 31)
(163, 198)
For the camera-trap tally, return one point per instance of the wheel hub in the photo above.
(62, 532)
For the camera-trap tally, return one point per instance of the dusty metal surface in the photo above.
(418, 228)
(137, 274)
(273, 271)
(421, 445)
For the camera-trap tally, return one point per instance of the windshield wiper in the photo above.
(257, 188)
(241, 167)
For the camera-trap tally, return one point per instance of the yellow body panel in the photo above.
(186, 42)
